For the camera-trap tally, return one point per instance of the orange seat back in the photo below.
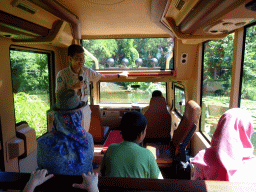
(158, 119)
(190, 117)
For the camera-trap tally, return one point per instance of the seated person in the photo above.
(155, 93)
(128, 159)
(230, 157)
(68, 148)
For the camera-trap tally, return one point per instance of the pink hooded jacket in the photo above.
(230, 157)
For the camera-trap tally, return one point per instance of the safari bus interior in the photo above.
(200, 54)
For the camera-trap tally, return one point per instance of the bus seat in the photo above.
(96, 128)
(114, 136)
(190, 117)
(181, 138)
(158, 121)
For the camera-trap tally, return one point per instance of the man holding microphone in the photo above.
(78, 77)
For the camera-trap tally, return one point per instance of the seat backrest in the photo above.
(190, 117)
(96, 128)
(158, 119)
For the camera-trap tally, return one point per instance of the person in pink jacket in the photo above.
(230, 157)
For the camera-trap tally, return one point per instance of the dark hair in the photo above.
(157, 93)
(132, 124)
(73, 49)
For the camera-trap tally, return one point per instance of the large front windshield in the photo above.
(129, 92)
(143, 53)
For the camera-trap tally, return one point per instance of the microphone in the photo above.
(80, 78)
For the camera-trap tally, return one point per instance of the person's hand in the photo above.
(90, 182)
(124, 74)
(37, 178)
(78, 85)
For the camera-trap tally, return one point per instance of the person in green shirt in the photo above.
(128, 159)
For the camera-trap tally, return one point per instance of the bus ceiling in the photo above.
(191, 21)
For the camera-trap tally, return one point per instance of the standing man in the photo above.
(78, 77)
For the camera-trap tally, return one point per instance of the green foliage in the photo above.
(218, 56)
(248, 92)
(146, 49)
(102, 49)
(30, 79)
(29, 71)
(249, 67)
(218, 59)
(32, 109)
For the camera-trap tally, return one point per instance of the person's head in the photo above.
(73, 49)
(133, 126)
(157, 93)
(76, 56)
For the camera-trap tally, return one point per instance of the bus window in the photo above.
(248, 88)
(30, 82)
(129, 92)
(139, 54)
(179, 100)
(216, 82)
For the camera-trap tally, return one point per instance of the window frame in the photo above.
(51, 71)
(131, 103)
(137, 69)
(242, 64)
(201, 86)
(181, 87)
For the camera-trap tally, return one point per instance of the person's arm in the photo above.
(36, 178)
(114, 76)
(90, 182)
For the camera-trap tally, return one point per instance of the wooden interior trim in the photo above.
(207, 11)
(53, 34)
(176, 30)
(198, 142)
(147, 74)
(15, 31)
(236, 68)
(60, 12)
(126, 36)
(158, 10)
(22, 24)
(18, 181)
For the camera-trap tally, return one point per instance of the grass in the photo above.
(32, 109)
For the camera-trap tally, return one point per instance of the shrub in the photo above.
(32, 109)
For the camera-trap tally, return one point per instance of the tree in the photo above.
(29, 71)
(102, 49)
